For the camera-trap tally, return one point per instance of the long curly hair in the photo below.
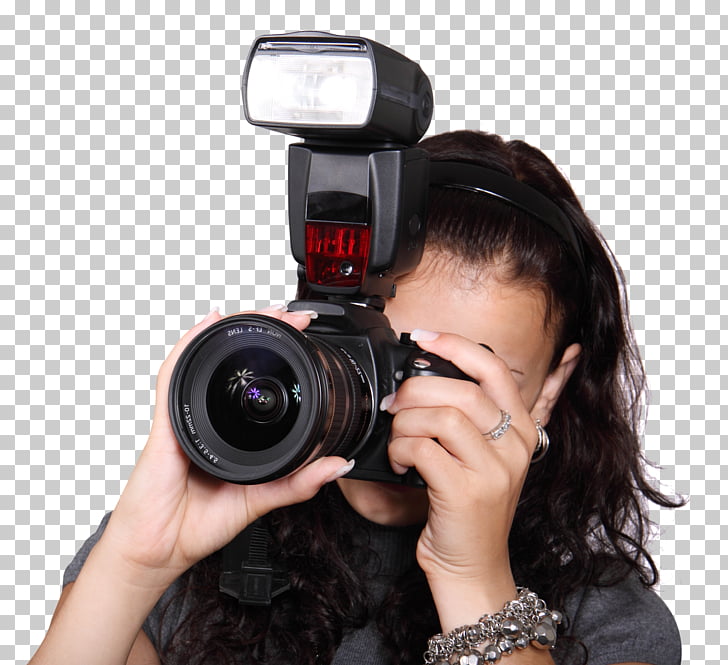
(583, 514)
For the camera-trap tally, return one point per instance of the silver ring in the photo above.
(501, 428)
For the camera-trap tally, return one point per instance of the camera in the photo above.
(252, 398)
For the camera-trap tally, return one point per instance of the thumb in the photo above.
(299, 486)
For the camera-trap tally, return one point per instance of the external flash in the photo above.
(314, 84)
(357, 188)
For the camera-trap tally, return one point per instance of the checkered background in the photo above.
(134, 198)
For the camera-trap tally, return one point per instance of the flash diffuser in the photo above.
(292, 85)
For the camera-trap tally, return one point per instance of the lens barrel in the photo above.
(252, 399)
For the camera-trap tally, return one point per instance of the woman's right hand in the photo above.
(171, 514)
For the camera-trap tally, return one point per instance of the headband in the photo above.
(474, 178)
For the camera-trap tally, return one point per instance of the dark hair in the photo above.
(584, 504)
(583, 516)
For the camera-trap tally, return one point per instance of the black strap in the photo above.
(248, 573)
(475, 178)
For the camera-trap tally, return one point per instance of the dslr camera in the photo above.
(252, 398)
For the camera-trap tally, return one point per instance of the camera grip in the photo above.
(422, 363)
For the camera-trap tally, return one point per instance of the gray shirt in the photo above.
(621, 623)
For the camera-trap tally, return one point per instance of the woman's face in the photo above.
(508, 318)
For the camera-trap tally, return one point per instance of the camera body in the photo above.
(387, 361)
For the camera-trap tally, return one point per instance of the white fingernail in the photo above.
(386, 402)
(342, 471)
(420, 335)
(306, 312)
(212, 312)
(278, 307)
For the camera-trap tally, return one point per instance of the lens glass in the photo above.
(253, 399)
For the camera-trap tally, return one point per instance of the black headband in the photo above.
(474, 178)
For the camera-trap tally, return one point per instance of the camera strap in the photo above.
(248, 572)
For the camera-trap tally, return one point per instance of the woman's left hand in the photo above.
(474, 482)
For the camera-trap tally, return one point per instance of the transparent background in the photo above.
(134, 198)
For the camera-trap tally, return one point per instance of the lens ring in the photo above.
(350, 410)
(188, 405)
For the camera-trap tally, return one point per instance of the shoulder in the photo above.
(625, 622)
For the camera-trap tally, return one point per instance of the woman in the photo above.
(376, 569)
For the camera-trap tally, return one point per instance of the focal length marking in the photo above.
(259, 330)
(204, 450)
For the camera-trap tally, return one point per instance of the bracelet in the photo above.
(522, 622)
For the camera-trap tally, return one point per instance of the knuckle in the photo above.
(496, 369)
(473, 395)
(426, 450)
(453, 418)
(411, 388)
(403, 422)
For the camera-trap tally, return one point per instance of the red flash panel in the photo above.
(336, 254)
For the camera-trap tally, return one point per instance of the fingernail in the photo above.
(342, 471)
(386, 402)
(306, 312)
(278, 307)
(419, 335)
(211, 314)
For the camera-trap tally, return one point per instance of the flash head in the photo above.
(324, 86)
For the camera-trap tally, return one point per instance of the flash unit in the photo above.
(357, 189)
(314, 84)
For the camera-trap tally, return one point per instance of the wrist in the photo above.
(129, 570)
(462, 600)
(479, 584)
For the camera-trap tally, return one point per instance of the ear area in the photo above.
(555, 383)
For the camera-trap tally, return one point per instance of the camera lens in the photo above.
(252, 399)
(265, 400)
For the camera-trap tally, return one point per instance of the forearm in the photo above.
(102, 613)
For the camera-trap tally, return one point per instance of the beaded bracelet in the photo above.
(522, 622)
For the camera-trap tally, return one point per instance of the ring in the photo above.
(501, 428)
